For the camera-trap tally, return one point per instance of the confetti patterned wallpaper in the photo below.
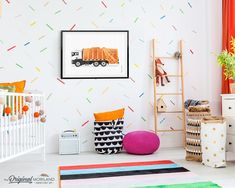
(30, 49)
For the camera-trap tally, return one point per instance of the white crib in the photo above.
(20, 131)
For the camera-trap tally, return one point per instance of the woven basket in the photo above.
(193, 136)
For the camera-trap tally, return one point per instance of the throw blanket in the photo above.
(192, 102)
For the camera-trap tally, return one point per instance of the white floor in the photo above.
(31, 165)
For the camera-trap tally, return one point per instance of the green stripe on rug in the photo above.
(187, 185)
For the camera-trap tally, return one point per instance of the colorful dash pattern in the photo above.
(85, 123)
(104, 4)
(11, 48)
(131, 109)
(34, 53)
(49, 27)
(19, 65)
(60, 81)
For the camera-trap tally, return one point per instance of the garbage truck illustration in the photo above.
(95, 56)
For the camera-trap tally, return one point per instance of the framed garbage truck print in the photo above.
(89, 54)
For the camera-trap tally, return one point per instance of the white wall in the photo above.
(214, 44)
(197, 22)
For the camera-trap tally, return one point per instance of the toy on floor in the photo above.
(141, 142)
(160, 72)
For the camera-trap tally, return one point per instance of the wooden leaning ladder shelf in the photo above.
(181, 75)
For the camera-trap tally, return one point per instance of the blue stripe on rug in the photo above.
(118, 169)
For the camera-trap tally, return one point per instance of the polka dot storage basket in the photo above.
(213, 141)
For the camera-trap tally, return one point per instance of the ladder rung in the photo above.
(171, 112)
(170, 130)
(168, 93)
(165, 57)
(174, 75)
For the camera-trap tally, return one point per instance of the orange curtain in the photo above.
(228, 13)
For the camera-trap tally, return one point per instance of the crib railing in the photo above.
(22, 129)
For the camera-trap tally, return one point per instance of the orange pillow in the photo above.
(19, 88)
(107, 116)
(18, 85)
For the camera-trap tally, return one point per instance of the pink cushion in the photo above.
(141, 142)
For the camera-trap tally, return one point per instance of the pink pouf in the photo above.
(141, 142)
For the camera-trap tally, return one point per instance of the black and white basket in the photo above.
(108, 136)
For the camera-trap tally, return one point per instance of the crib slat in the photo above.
(13, 125)
(44, 130)
(27, 129)
(38, 130)
(23, 135)
(35, 126)
(5, 131)
(1, 126)
(24, 131)
(9, 131)
(20, 128)
(32, 123)
(29, 125)
(1, 135)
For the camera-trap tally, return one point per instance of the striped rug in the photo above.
(131, 174)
